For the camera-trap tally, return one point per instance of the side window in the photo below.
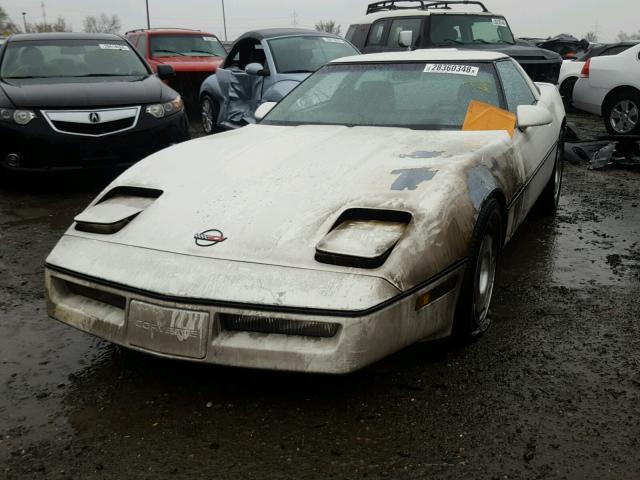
(400, 25)
(377, 33)
(141, 46)
(614, 51)
(516, 88)
(357, 35)
(245, 52)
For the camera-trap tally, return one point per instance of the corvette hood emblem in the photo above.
(209, 238)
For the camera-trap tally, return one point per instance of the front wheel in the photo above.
(550, 197)
(473, 315)
(622, 113)
(209, 114)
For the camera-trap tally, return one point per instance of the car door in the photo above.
(241, 91)
(377, 38)
(535, 147)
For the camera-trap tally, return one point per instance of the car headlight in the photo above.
(160, 110)
(21, 117)
(363, 243)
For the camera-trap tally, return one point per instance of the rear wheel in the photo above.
(621, 113)
(473, 315)
(209, 114)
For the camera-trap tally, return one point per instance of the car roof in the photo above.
(24, 37)
(171, 31)
(427, 55)
(282, 32)
(417, 12)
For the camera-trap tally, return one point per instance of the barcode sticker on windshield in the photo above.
(332, 40)
(113, 46)
(209, 39)
(451, 68)
(499, 22)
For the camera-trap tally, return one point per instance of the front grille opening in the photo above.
(101, 296)
(95, 128)
(302, 328)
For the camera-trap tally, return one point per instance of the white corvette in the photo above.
(361, 215)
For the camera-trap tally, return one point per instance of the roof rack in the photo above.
(421, 5)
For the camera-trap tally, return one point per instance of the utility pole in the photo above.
(24, 20)
(44, 14)
(294, 19)
(148, 21)
(224, 21)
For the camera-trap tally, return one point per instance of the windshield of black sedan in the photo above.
(306, 54)
(427, 95)
(450, 30)
(70, 58)
(186, 45)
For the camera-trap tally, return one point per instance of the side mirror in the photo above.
(533, 116)
(263, 109)
(406, 39)
(256, 69)
(165, 72)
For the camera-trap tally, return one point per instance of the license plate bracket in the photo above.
(167, 330)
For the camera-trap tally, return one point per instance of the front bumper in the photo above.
(156, 321)
(40, 148)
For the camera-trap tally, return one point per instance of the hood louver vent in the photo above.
(115, 210)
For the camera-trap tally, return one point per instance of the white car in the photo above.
(571, 69)
(356, 218)
(610, 87)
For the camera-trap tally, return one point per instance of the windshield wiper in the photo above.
(169, 51)
(298, 71)
(106, 75)
(451, 40)
(211, 54)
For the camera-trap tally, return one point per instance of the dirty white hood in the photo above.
(274, 192)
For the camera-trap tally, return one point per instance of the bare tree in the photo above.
(591, 37)
(625, 37)
(329, 26)
(7, 27)
(60, 25)
(102, 24)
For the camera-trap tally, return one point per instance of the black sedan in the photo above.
(71, 100)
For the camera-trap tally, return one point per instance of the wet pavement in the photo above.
(552, 391)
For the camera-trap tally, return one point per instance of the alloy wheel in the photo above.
(485, 279)
(624, 116)
(207, 116)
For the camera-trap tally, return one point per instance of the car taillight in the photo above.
(585, 69)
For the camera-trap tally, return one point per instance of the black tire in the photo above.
(473, 315)
(550, 197)
(209, 115)
(621, 113)
(566, 92)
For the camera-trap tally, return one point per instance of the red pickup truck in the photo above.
(193, 54)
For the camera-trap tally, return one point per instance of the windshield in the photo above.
(448, 30)
(432, 95)
(306, 54)
(186, 45)
(70, 58)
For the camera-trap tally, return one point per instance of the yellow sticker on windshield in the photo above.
(451, 68)
(483, 116)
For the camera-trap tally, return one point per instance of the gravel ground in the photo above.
(552, 391)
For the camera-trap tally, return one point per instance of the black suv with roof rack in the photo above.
(438, 25)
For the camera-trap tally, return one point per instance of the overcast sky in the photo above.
(528, 18)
